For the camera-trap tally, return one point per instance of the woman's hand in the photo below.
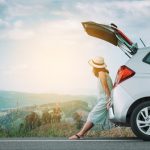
(108, 105)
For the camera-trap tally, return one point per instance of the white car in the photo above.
(131, 93)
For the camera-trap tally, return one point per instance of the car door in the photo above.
(111, 34)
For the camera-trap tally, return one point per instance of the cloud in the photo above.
(16, 31)
(2, 1)
(13, 69)
(48, 34)
(17, 10)
(16, 34)
(23, 18)
(114, 9)
(4, 23)
(80, 9)
(19, 34)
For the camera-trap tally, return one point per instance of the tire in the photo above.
(140, 121)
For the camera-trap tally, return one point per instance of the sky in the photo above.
(44, 48)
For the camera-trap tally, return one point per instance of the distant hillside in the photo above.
(69, 108)
(14, 118)
(10, 99)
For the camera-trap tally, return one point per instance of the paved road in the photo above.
(64, 144)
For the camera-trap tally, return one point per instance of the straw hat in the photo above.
(97, 62)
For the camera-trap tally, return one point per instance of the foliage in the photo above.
(51, 121)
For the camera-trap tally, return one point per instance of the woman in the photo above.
(99, 114)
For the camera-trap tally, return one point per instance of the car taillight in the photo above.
(123, 73)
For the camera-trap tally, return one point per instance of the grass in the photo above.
(64, 129)
(114, 132)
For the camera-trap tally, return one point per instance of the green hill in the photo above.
(10, 99)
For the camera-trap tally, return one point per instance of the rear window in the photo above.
(147, 58)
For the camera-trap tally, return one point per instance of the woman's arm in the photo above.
(103, 79)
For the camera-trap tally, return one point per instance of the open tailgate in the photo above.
(111, 34)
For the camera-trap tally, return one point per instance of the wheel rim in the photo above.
(143, 120)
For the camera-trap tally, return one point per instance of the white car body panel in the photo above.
(121, 101)
(132, 89)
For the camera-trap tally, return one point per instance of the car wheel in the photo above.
(140, 120)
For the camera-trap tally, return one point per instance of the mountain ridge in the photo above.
(12, 99)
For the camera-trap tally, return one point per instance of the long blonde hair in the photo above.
(97, 70)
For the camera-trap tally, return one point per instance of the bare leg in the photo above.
(87, 126)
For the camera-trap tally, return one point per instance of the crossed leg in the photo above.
(87, 126)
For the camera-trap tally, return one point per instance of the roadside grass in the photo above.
(64, 129)
(114, 132)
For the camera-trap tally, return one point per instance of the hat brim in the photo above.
(96, 66)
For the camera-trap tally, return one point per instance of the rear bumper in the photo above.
(121, 102)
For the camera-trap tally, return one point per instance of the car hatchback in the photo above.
(131, 93)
